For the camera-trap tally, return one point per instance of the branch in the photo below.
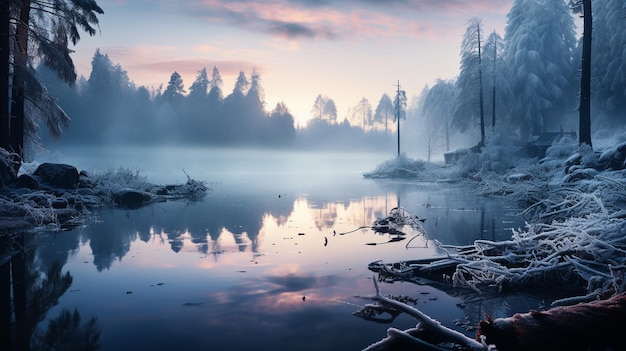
(426, 326)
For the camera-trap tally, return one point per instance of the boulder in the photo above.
(58, 175)
(614, 158)
(131, 198)
(27, 181)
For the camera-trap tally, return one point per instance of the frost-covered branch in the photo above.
(428, 333)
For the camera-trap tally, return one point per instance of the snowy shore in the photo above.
(58, 196)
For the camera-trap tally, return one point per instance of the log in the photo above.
(596, 325)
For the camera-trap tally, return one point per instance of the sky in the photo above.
(343, 49)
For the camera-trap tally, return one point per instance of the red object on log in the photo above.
(597, 325)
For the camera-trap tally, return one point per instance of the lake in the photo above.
(271, 258)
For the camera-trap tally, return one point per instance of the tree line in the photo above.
(528, 81)
(108, 107)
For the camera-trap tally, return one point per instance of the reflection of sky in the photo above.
(236, 265)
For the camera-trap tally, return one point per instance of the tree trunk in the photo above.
(4, 75)
(480, 93)
(584, 129)
(21, 63)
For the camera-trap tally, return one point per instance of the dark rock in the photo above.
(59, 203)
(614, 158)
(85, 191)
(162, 191)
(131, 198)
(27, 181)
(58, 175)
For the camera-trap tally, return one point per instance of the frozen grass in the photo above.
(35, 208)
(576, 225)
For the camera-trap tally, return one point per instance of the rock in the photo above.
(614, 158)
(58, 175)
(131, 198)
(59, 203)
(27, 181)
(162, 191)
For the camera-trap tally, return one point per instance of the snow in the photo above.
(57, 209)
(573, 204)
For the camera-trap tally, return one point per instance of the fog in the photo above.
(515, 85)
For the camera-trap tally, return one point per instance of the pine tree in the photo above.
(41, 31)
(539, 44)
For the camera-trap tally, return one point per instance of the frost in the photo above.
(399, 167)
(575, 232)
(57, 209)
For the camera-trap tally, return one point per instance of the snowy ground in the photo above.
(576, 222)
(574, 200)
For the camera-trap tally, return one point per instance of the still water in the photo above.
(261, 262)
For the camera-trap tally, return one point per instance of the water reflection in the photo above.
(246, 261)
(30, 285)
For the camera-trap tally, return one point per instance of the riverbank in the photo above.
(54, 196)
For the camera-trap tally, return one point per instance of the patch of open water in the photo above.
(262, 261)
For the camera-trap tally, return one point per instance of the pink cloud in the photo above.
(349, 19)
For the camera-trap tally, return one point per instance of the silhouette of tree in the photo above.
(199, 88)
(175, 90)
(399, 106)
(363, 112)
(324, 109)
(41, 31)
(384, 109)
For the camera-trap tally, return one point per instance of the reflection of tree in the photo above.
(67, 333)
(33, 291)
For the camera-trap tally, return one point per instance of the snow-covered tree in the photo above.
(256, 96)
(494, 76)
(470, 104)
(539, 43)
(608, 84)
(241, 84)
(198, 89)
(384, 110)
(215, 94)
(437, 107)
(362, 112)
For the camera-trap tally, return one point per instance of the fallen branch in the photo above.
(428, 333)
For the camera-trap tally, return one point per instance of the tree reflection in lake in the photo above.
(204, 272)
(31, 285)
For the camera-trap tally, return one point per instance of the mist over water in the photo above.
(263, 258)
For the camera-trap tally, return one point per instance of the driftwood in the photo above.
(594, 325)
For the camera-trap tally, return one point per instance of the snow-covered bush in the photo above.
(402, 167)
(499, 154)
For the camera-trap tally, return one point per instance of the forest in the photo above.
(519, 84)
